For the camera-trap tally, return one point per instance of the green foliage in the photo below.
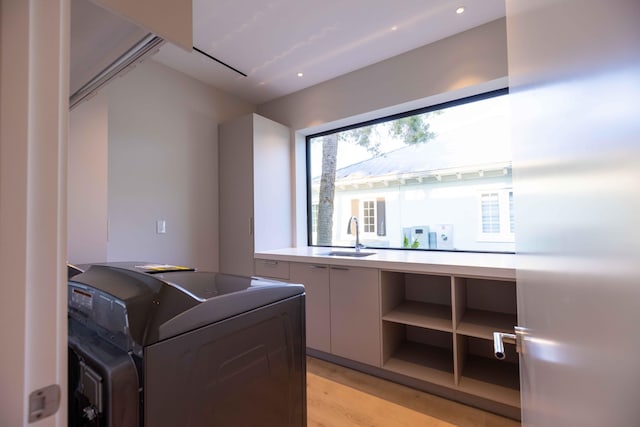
(362, 137)
(412, 130)
(405, 243)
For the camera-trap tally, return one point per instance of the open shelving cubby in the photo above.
(481, 307)
(417, 299)
(479, 373)
(417, 326)
(484, 306)
(418, 352)
(439, 329)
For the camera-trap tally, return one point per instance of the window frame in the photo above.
(505, 223)
(417, 111)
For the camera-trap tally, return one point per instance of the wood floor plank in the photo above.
(338, 396)
(332, 404)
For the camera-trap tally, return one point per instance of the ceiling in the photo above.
(271, 41)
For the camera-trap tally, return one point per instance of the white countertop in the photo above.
(499, 266)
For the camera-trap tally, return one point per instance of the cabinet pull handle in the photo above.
(340, 268)
(270, 262)
(499, 338)
(318, 266)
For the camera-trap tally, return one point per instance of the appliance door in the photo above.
(576, 147)
(244, 371)
(103, 382)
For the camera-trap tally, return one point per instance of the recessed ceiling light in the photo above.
(395, 27)
(460, 10)
(300, 74)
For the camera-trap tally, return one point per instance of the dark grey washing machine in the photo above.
(154, 345)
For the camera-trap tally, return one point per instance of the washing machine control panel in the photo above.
(101, 312)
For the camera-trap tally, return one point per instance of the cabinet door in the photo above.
(315, 279)
(355, 314)
(235, 190)
(254, 183)
(271, 184)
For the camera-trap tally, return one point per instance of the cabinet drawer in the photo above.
(272, 268)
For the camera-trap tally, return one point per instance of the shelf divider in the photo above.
(421, 314)
(482, 324)
(424, 362)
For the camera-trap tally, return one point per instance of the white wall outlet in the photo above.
(161, 226)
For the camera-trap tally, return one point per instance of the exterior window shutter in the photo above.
(355, 210)
(381, 219)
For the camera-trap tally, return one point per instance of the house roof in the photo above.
(445, 157)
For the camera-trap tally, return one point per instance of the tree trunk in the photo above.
(327, 189)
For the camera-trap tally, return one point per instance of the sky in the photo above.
(484, 125)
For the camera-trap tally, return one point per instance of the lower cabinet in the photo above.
(355, 314)
(342, 310)
(418, 327)
(272, 269)
(315, 278)
(434, 328)
(439, 329)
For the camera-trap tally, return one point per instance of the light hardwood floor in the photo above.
(341, 397)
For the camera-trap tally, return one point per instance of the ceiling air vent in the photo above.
(146, 47)
(103, 46)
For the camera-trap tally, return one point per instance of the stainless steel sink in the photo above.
(349, 253)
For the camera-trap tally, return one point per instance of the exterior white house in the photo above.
(435, 195)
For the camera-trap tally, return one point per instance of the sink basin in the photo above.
(350, 253)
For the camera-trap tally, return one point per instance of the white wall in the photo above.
(162, 138)
(465, 64)
(163, 164)
(462, 61)
(87, 181)
(145, 148)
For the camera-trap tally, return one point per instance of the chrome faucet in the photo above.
(358, 244)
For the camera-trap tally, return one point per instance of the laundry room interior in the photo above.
(319, 214)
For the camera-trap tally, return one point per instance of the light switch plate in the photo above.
(161, 226)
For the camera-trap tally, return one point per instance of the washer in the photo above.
(159, 345)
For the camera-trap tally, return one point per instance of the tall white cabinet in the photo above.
(254, 190)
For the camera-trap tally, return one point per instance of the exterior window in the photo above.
(369, 216)
(490, 212)
(496, 216)
(372, 215)
(437, 178)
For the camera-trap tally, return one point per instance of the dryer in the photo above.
(165, 346)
